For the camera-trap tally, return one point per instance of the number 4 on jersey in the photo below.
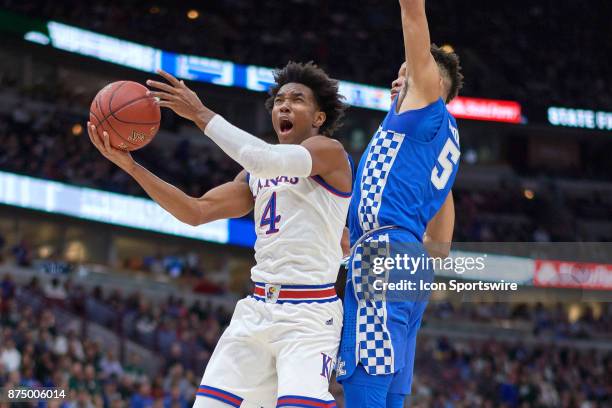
(269, 216)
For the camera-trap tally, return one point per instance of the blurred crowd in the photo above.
(464, 374)
(535, 319)
(52, 144)
(36, 351)
(560, 41)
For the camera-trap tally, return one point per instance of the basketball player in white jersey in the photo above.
(280, 347)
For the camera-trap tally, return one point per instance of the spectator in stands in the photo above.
(2, 244)
(142, 398)
(10, 357)
(110, 366)
(55, 291)
(21, 252)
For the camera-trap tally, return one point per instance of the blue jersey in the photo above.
(406, 172)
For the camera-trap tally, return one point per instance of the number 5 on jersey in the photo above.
(269, 216)
(439, 179)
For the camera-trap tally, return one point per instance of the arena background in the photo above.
(105, 295)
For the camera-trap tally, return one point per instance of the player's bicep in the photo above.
(327, 155)
(230, 200)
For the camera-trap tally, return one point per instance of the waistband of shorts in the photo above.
(272, 293)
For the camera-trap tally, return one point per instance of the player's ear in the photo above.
(319, 119)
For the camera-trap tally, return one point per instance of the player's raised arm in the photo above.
(439, 232)
(421, 68)
(318, 155)
(229, 200)
(321, 155)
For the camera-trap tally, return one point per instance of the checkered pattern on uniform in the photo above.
(375, 351)
(375, 348)
(363, 266)
(381, 155)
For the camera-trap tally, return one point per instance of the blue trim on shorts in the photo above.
(325, 286)
(220, 397)
(294, 301)
(317, 402)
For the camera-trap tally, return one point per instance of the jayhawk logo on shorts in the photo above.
(270, 293)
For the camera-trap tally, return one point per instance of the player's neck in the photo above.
(412, 101)
(299, 139)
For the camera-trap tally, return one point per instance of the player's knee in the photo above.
(395, 400)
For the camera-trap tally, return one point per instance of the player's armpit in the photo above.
(421, 67)
(229, 200)
(330, 161)
(439, 232)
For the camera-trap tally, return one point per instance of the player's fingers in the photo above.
(107, 146)
(162, 96)
(169, 78)
(161, 85)
(93, 136)
(89, 128)
(166, 104)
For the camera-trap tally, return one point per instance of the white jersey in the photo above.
(299, 223)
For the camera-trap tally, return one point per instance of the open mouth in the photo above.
(285, 125)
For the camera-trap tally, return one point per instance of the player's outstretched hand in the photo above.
(176, 96)
(121, 158)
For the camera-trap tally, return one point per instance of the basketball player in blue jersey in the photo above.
(402, 203)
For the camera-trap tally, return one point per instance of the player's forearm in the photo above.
(180, 205)
(412, 12)
(439, 233)
(253, 154)
(410, 6)
(416, 33)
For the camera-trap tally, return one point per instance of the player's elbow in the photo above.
(437, 249)
(439, 254)
(191, 219)
(195, 215)
(194, 222)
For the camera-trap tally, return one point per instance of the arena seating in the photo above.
(350, 37)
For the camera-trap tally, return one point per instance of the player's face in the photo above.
(295, 113)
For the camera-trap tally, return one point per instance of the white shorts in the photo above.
(275, 355)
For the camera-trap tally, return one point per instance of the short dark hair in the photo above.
(448, 61)
(324, 89)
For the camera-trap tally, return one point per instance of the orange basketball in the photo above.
(126, 113)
